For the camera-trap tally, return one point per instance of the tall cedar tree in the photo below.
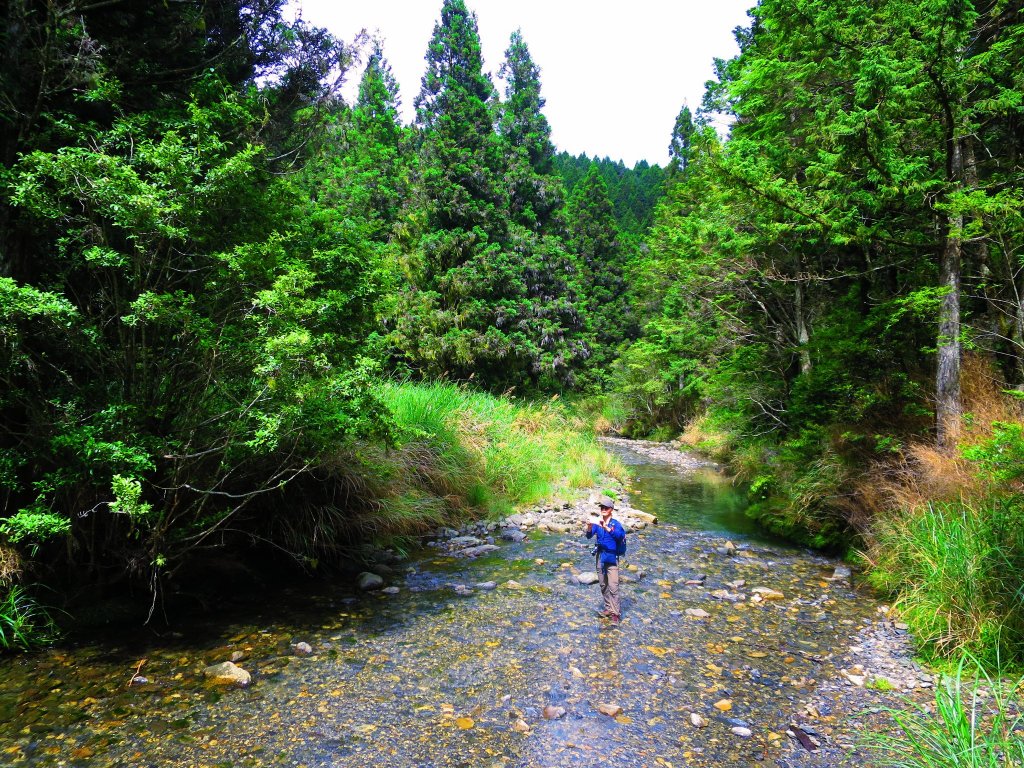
(463, 314)
(371, 153)
(594, 238)
(680, 145)
(535, 197)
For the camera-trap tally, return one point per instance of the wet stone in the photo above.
(227, 673)
(473, 552)
(369, 582)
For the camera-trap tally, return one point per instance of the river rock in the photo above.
(521, 726)
(473, 552)
(768, 593)
(368, 582)
(302, 648)
(612, 710)
(237, 656)
(486, 586)
(643, 517)
(698, 721)
(227, 673)
(697, 613)
(512, 534)
(551, 712)
(742, 732)
(460, 542)
(587, 577)
(841, 573)
(391, 590)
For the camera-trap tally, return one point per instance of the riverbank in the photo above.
(496, 658)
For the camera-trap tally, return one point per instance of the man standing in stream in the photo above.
(610, 537)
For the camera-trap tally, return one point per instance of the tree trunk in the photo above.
(948, 406)
(803, 337)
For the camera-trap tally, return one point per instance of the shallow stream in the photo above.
(430, 677)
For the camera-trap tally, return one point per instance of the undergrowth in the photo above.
(957, 572)
(946, 538)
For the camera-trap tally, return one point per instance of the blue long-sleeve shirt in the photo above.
(607, 541)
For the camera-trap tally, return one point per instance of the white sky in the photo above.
(614, 73)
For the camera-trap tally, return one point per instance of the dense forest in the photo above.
(226, 293)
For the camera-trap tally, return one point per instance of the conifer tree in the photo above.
(462, 315)
(594, 237)
(371, 181)
(535, 194)
(679, 146)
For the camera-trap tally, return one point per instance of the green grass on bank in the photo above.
(975, 721)
(465, 454)
(957, 571)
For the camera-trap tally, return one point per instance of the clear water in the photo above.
(701, 499)
(429, 678)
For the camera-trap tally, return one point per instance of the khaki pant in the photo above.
(608, 578)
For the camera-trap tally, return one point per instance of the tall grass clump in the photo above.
(957, 572)
(24, 624)
(974, 722)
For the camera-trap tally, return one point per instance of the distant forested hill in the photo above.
(634, 191)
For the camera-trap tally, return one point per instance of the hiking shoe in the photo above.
(613, 618)
(605, 614)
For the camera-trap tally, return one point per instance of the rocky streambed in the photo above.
(485, 650)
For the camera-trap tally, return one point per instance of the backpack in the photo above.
(620, 547)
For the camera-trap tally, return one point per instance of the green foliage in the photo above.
(974, 722)
(1001, 458)
(791, 286)
(35, 526)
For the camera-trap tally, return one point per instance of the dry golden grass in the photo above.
(700, 435)
(985, 401)
(925, 474)
(10, 566)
